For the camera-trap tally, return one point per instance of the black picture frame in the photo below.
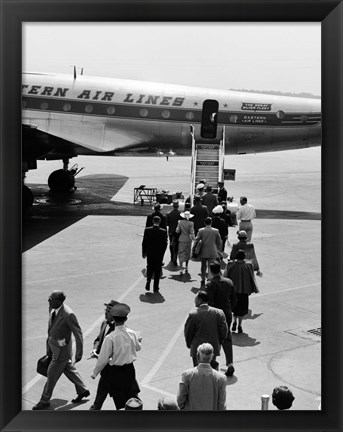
(13, 14)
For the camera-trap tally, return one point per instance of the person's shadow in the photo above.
(251, 316)
(62, 405)
(152, 297)
(244, 340)
(184, 278)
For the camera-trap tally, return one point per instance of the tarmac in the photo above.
(89, 245)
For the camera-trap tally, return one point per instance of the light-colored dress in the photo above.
(186, 230)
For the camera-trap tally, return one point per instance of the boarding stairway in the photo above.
(207, 162)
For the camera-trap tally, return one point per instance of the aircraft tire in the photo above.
(61, 181)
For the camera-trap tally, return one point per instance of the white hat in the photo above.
(200, 186)
(187, 215)
(218, 209)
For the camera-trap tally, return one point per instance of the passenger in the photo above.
(107, 327)
(241, 272)
(249, 250)
(219, 223)
(205, 323)
(282, 397)
(202, 388)
(200, 213)
(157, 212)
(200, 190)
(222, 295)
(210, 247)
(167, 404)
(246, 213)
(222, 192)
(119, 351)
(62, 324)
(154, 245)
(173, 218)
(185, 228)
(209, 200)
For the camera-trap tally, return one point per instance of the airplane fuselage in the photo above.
(91, 115)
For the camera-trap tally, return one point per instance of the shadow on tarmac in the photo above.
(152, 298)
(243, 340)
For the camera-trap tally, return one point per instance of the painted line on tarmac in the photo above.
(165, 353)
(288, 289)
(34, 380)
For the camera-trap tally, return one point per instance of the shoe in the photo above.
(230, 370)
(234, 326)
(240, 330)
(81, 396)
(94, 408)
(147, 286)
(41, 405)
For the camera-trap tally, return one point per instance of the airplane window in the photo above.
(280, 114)
(111, 110)
(44, 105)
(166, 114)
(144, 112)
(89, 109)
(190, 116)
(66, 107)
(233, 119)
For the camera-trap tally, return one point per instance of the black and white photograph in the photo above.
(171, 216)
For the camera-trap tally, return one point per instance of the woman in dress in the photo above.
(185, 228)
(241, 272)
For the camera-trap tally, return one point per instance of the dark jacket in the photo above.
(154, 243)
(149, 220)
(222, 295)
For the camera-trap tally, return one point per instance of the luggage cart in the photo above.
(141, 194)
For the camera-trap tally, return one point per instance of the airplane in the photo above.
(64, 116)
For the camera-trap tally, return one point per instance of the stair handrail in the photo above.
(222, 157)
(193, 167)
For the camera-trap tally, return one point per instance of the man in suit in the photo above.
(202, 388)
(173, 218)
(157, 212)
(107, 326)
(222, 192)
(200, 213)
(62, 324)
(205, 324)
(211, 246)
(222, 295)
(209, 200)
(154, 245)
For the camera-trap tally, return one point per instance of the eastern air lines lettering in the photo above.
(99, 95)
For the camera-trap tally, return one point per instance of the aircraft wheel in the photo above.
(27, 198)
(61, 181)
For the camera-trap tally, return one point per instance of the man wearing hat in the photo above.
(157, 212)
(107, 326)
(154, 245)
(249, 250)
(222, 192)
(200, 190)
(219, 223)
(119, 351)
(173, 218)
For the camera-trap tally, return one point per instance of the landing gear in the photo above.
(61, 181)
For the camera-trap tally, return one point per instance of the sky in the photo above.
(284, 57)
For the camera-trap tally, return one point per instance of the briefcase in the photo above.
(43, 364)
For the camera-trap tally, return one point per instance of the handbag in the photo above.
(43, 364)
(196, 250)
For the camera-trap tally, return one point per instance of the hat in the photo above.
(175, 203)
(200, 186)
(120, 310)
(157, 206)
(242, 234)
(111, 303)
(187, 215)
(218, 209)
(133, 404)
(220, 183)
